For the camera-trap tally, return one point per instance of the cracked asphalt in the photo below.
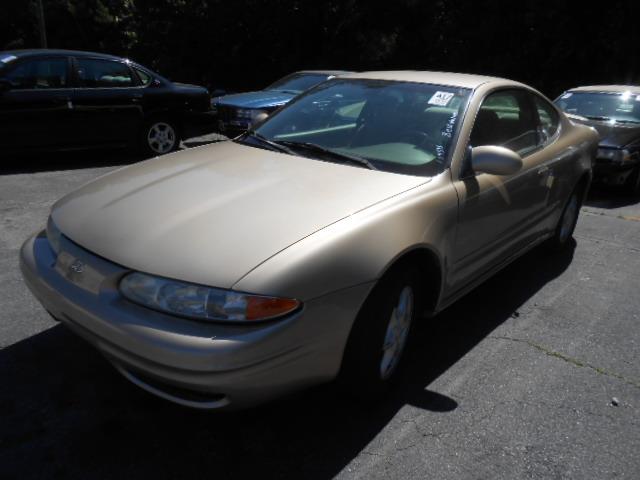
(517, 380)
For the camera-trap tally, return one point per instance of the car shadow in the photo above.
(80, 159)
(69, 160)
(602, 196)
(67, 413)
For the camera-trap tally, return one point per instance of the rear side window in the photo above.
(94, 73)
(549, 119)
(39, 74)
(506, 118)
(145, 78)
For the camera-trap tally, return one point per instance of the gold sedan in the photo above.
(305, 249)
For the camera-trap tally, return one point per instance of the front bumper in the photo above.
(609, 172)
(198, 364)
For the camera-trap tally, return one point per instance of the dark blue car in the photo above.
(235, 113)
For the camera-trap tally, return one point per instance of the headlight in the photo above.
(248, 113)
(614, 154)
(203, 303)
(54, 236)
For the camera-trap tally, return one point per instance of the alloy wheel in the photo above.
(161, 137)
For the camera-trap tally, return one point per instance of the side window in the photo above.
(506, 118)
(93, 73)
(39, 74)
(145, 78)
(549, 120)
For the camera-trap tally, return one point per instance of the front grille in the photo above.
(226, 113)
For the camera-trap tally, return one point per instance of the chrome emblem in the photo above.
(77, 267)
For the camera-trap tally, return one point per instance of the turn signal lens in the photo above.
(267, 307)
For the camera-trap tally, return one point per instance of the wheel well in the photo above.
(428, 266)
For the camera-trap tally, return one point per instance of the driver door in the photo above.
(499, 214)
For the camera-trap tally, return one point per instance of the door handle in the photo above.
(543, 170)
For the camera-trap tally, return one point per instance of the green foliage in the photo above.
(239, 44)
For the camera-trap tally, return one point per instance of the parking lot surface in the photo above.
(535, 374)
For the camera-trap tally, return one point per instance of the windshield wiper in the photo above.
(271, 143)
(333, 153)
(596, 117)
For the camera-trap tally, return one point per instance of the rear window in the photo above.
(145, 78)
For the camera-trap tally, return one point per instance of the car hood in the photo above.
(210, 215)
(259, 99)
(616, 135)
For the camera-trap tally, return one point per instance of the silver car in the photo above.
(304, 250)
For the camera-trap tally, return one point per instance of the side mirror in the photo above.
(495, 160)
(5, 85)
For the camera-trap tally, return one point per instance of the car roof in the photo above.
(462, 80)
(607, 88)
(47, 51)
(324, 72)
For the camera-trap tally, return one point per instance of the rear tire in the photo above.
(567, 223)
(159, 136)
(380, 335)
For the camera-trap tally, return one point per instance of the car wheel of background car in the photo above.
(380, 335)
(568, 220)
(632, 185)
(159, 136)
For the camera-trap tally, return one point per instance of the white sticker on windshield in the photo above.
(8, 58)
(441, 99)
(566, 95)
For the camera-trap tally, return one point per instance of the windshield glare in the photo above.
(298, 82)
(399, 127)
(621, 107)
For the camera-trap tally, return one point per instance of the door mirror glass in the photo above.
(495, 160)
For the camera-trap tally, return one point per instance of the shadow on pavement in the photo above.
(78, 159)
(72, 160)
(601, 196)
(67, 413)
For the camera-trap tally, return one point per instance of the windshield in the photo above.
(619, 107)
(6, 59)
(399, 127)
(297, 82)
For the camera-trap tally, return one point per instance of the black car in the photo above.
(613, 110)
(61, 99)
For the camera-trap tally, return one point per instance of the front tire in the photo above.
(159, 136)
(380, 335)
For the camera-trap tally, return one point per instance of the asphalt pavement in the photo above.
(535, 374)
